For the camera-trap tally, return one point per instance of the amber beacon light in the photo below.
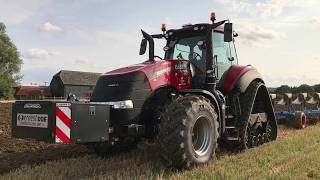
(163, 27)
(213, 16)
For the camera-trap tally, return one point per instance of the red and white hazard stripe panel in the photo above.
(63, 122)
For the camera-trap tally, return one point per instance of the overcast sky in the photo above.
(279, 37)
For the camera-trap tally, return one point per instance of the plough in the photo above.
(296, 108)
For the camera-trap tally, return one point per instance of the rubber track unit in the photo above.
(174, 136)
(247, 102)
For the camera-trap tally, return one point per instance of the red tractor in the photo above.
(188, 101)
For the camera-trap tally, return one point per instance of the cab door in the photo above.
(222, 53)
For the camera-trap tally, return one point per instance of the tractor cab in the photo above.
(206, 47)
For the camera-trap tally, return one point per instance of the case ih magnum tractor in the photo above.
(188, 101)
(192, 98)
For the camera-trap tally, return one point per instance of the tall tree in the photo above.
(10, 65)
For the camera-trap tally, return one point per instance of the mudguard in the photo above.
(247, 78)
(238, 77)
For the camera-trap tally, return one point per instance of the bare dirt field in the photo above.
(17, 152)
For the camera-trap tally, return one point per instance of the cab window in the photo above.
(221, 52)
(188, 48)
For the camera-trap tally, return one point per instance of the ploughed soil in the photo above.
(17, 152)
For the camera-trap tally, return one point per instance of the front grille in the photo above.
(132, 86)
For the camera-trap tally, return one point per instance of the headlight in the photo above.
(127, 104)
(123, 104)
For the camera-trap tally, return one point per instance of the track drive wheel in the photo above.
(188, 131)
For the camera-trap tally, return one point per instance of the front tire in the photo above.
(188, 131)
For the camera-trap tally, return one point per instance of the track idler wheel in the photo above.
(271, 131)
(260, 141)
(263, 138)
(300, 120)
(254, 141)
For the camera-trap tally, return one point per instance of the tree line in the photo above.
(304, 88)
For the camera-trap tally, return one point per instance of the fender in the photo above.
(238, 77)
(215, 100)
(247, 78)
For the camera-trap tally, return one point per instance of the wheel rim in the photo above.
(201, 136)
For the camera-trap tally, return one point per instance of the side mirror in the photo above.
(228, 32)
(143, 46)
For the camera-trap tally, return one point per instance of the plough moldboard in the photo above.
(298, 109)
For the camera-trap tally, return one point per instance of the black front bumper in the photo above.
(132, 86)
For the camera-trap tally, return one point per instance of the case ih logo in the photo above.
(180, 66)
(32, 106)
(113, 85)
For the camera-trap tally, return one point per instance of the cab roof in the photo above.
(196, 27)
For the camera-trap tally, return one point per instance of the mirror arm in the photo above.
(151, 44)
(158, 36)
(214, 25)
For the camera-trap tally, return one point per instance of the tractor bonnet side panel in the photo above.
(174, 73)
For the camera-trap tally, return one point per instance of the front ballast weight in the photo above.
(61, 122)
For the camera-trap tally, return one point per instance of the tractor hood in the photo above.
(157, 73)
(142, 67)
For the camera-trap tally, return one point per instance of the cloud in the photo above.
(48, 27)
(257, 35)
(38, 75)
(291, 80)
(265, 9)
(37, 53)
(16, 12)
(315, 21)
(81, 61)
